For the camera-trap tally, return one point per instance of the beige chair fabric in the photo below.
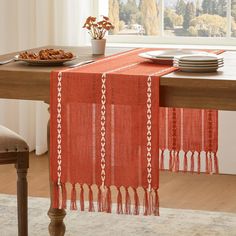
(11, 142)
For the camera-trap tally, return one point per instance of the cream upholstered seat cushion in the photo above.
(11, 142)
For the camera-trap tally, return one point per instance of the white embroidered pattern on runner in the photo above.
(59, 128)
(103, 130)
(149, 132)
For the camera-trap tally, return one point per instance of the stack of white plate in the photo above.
(167, 56)
(199, 63)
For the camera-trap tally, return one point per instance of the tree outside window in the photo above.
(233, 14)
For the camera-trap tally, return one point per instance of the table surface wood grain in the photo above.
(178, 89)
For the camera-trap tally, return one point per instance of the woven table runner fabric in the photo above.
(189, 140)
(104, 133)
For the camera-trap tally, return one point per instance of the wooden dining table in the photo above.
(216, 90)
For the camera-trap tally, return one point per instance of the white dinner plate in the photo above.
(167, 61)
(198, 70)
(198, 65)
(170, 54)
(199, 62)
(199, 58)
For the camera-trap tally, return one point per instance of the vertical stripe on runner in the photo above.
(181, 136)
(112, 144)
(203, 127)
(149, 132)
(167, 128)
(203, 137)
(94, 141)
(59, 136)
(181, 128)
(139, 166)
(103, 130)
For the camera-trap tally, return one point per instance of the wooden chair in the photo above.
(14, 150)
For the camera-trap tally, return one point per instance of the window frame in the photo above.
(101, 8)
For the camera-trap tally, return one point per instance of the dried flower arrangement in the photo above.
(98, 29)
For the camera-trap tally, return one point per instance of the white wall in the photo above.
(227, 142)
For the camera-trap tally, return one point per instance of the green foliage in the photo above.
(168, 23)
(221, 8)
(198, 8)
(190, 13)
(129, 12)
(209, 6)
(233, 9)
(122, 12)
(171, 19)
(121, 25)
(215, 7)
(233, 27)
(180, 7)
(193, 31)
(208, 26)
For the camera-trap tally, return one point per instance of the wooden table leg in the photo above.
(56, 226)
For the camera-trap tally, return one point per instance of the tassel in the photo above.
(55, 196)
(171, 161)
(150, 203)
(91, 205)
(99, 202)
(156, 204)
(177, 162)
(119, 203)
(104, 199)
(73, 205)
(108, 203)
(185, 162)
(162, 160)
(192, 163)
(216, 163)
(64, 196)
(127, 202)
(210, 163)
(60, 196)
(146, 203)
(199, 163)
(136, 202)
(81, 198)
(207, 163)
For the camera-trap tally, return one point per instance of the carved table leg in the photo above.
(56, 226)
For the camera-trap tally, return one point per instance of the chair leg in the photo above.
(22, 195)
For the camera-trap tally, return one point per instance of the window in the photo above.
(172, 21)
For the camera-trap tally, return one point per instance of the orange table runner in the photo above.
(105, 133)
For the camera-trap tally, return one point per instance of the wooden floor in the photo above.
(201, 192)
